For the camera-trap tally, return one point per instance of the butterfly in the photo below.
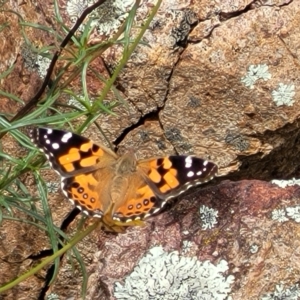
(120, 190)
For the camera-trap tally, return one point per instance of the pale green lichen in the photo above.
(166, 276)
(208, 217)
(107, 17)
(294, 213)
(285, 183)
(279, 215)
(52, 187)
(42, 65)
(254, 248)
(52, 296)
(284, 95)
(292, 293)
(256, 72)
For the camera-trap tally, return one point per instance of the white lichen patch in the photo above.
(294, 213)
(164, 276)
(285, 183)
(282, 215)
(292, 293)
(254, 248)
(52, 296)
(43, 65)
(208, 217)
(284, 95)
(256, 72)
(279, 215)
(74, 102)
(34, 61)
(52, 187)
(107, 18)
(76, 7)
(186, 246)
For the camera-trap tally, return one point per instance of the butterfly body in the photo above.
(119, 189)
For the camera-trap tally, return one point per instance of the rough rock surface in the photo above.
(219, 80)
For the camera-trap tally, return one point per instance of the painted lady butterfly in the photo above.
(120, 190)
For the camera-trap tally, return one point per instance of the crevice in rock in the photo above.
(281, 163)
(224, 16)
(153, 115)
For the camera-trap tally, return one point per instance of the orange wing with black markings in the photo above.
(160, 179)
(69, 153)
(85, 168)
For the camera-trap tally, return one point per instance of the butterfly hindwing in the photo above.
(140, 201)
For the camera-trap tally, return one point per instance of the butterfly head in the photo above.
(126, 164)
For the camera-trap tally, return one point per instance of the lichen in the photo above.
(75, 8)
(42, 65)
(208, 217)
(256, 72)
(106, 18)
(292, 293)
(34, 61)
(52, 187)
(166, 276)
(285, 183)
(279, 215)
(76, 103)
(294, 213)
(284, 95)
(52, 296)
(186, 246)
(254, 248)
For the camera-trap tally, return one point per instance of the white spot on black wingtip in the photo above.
(66, 137)
(156, 210)
(199, 173)
(55, 146)
(128, 220)
(188, 161)
(49, 131)
(205, 163)
(190, 174)
(117, 219)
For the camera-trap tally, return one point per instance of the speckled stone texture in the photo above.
(260, 250)
(217, 79)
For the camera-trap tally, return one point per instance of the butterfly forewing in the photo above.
(69, 153)
(172, 175)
